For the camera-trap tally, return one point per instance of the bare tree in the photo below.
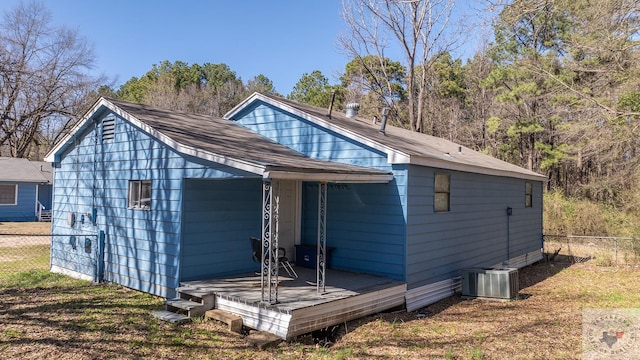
(43, 78)
(418, 26)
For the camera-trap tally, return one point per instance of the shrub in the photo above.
(571, 216)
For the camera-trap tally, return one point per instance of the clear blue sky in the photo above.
(282, 39)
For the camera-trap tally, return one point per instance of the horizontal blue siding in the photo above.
(474, 233)
(219, 218)
(142, 247)
(307, 138)
(70, 252)
(365, 225)
(25, 208)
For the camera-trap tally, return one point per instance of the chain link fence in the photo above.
(27, 252)
(605, 251)
(19, 252)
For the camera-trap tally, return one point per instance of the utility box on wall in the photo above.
(490, 283)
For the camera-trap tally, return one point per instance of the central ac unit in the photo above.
(490, 283)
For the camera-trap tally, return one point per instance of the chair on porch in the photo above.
(281, 254)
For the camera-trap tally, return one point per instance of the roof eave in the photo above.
(449, 165)
(328, 177)
(52, 156)
(26, 180)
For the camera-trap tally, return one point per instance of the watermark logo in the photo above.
(611, 334)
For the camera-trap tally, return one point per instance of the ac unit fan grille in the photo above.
(490, 283)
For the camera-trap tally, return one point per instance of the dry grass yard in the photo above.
(25, 228)
(45, 315)
(50, 316)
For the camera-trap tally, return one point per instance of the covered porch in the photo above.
(266, 296)
(275, 205)
(300, 308)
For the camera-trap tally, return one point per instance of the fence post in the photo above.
(100, 258)
(615, 249)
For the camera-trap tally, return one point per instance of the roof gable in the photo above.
(402, 146)
(223, 142)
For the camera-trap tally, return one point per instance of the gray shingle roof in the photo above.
(224, 141)
(23, 170)
(420, 148)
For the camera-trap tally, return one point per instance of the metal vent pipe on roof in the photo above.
(333, 98)
(351, 110)
(383, 124)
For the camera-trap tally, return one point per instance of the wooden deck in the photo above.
(300, 309)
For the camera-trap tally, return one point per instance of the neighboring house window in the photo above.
(528, 194)
(108, 129)
(140, 194)
(9, 194)
(442, 193)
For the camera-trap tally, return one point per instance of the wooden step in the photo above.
(170, 316)
(234, 321)
(45, 215)
(182, 304)
(191, 308)
(194, 291)
(204, 297)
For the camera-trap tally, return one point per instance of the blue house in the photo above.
(166, 202)
(25, 190)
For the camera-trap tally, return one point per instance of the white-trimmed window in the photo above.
(140, 194)
(442, 194)
(9, 194)
(528, 194)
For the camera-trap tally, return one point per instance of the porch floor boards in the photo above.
(295, 294)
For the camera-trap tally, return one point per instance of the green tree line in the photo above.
(557, 90)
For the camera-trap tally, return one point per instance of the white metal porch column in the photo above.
(322, 238)
(270, 219)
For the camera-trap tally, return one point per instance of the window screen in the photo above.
(8, 194)
(442, 193)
